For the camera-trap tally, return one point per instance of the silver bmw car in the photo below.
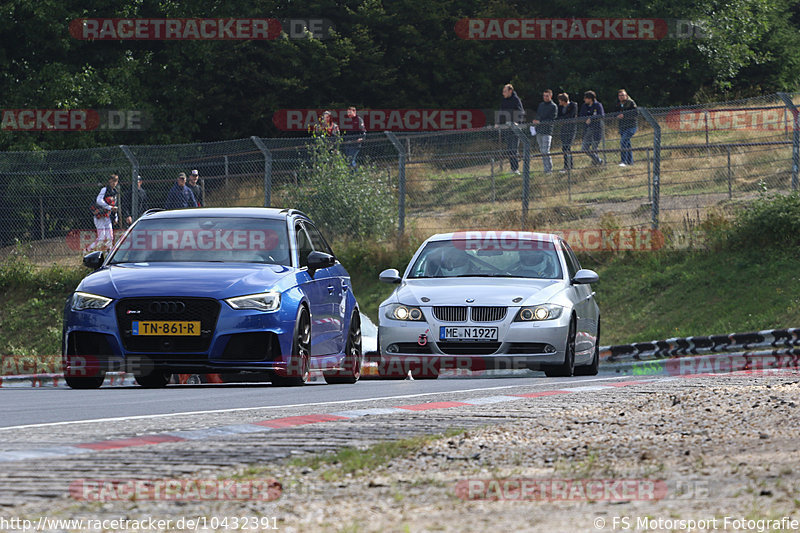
(478, 300)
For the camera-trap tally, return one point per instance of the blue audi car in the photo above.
(210, 291)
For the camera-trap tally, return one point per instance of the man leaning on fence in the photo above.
(180, 196)
(546, 114)
(197, 190)
(511, 111)
(627, 115)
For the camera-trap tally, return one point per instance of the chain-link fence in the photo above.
(685, 162)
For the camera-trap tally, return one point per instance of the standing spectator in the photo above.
(105, 211)
(511, 111)
(354, 134)
(142, 207)
(180, 196)
(627, 115)
(546, 114)
(593, 133)
(326, 126)
(197, 190)
(567, 115)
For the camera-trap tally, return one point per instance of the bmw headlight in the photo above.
(263, 301)
(537, 313)
(404, 312)
(85, 300)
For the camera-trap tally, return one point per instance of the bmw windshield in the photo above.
(470, 258)
(207, 239)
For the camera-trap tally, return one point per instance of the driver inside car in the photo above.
(535, 264)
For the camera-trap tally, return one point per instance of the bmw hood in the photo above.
(214, 280)
(484, 291)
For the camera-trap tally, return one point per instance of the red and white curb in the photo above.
(302, 420)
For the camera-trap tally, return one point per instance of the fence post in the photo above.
(787, 100)
(226, 171)
(526, 171)
(730, 175)
(134, 182)
(494, 191)
(267, 169)
(656, 163)
(649, 191)
(401, 181)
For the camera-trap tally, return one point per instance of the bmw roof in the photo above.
(255, 212)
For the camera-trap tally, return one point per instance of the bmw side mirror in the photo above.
(317, 260)
(585, 276)
(390, 275)
(93, 260)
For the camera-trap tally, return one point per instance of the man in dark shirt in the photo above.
(546, 114)
(593, 111)
(511, 111)
(197, 190)
(180, 196)
(567, 116)
(354, 132)
(627, 115)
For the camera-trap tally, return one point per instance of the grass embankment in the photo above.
(747, 277)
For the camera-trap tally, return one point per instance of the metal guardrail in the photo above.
(782, 342)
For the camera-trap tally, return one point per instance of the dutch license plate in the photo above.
(467, 333)
(165, 327)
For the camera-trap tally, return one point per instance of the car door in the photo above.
(316, 291)
(585, 308)
(337, 286)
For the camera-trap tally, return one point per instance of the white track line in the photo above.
(545, 383)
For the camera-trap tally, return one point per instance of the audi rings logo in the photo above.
(166, 307)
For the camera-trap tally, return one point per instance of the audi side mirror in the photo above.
(93, 260)
(318, 260)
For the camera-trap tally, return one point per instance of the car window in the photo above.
(205, 239)
(569, 257)
(303, 245)
(523, 258)
(573, 256)
(317, 240)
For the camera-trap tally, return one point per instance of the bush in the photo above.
(770, 222)
(341, 200)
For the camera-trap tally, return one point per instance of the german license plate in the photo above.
(467, 333)
(165, 327)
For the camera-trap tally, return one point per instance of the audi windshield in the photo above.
(207, 239)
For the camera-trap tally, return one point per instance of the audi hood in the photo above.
(214, 280)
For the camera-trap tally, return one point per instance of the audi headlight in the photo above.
(404, 312)
(85, 300)
(263, 301)
(537, 313)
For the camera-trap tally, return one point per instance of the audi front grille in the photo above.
(205, 310)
